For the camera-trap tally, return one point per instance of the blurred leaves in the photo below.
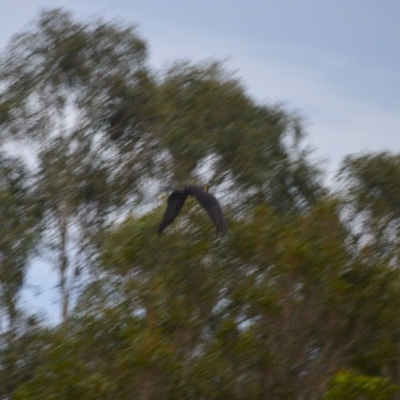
(19, 231)
(255, 148)
(299, 300)
(348, 385)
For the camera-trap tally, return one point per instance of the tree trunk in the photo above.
(63, 267)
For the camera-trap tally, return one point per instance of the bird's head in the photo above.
(206, 187)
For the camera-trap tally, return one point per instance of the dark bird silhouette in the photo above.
(177, 199)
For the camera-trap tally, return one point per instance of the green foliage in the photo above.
(373, 181)
(258, 147)
(22, 355)
(348, 385)
(272, 310)
(19, 231)
(371, 185)
(64, 84)
(267, 311)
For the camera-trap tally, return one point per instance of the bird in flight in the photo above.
(177, 198)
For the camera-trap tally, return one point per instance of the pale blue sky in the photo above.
(335, 61)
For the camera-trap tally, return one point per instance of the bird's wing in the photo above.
(174, 206)
(211, 205)
(217, 217)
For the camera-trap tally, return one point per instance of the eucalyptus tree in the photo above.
(19, 233)
(75, 95)
(275, 309)
(208, 121)
(371, 187)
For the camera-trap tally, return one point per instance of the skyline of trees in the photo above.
(300, 300)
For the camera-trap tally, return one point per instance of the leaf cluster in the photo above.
(299, 300)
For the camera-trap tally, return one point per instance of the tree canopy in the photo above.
(299, 300)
